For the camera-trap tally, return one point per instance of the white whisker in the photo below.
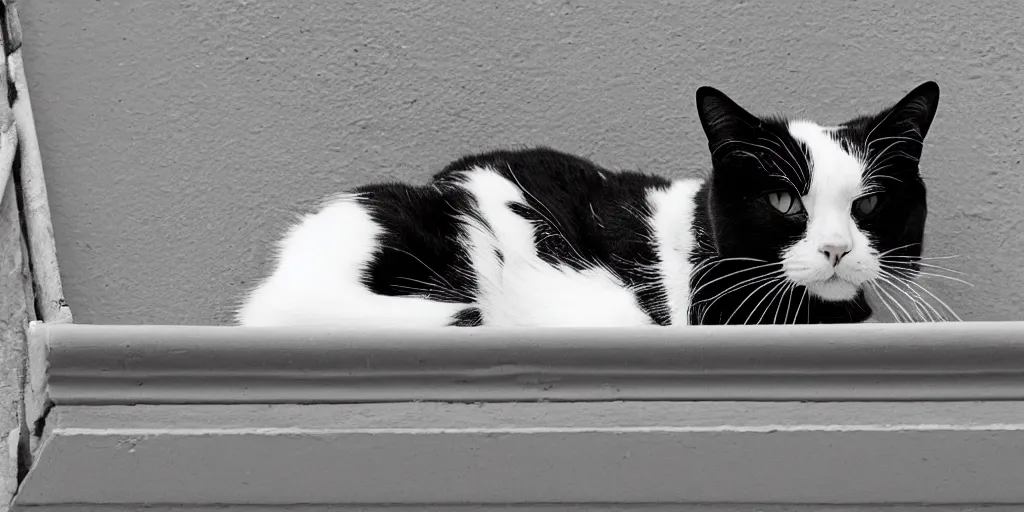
(894, 249)
(914, 301)
(926, 265)
(894, 301)
(749, 295)
(910, 282)
(881, 298)
(734, 288)
(698, 289)
(933, 275)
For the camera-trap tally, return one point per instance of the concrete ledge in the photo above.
(832, 418)
(565, 507)
(119, 365)
(533, 455)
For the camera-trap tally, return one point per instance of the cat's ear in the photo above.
(722, 119)
(912, 115)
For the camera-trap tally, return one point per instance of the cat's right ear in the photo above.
(722, 119)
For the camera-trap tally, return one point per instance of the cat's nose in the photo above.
(834, 252)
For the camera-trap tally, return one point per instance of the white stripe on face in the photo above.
(834, 259)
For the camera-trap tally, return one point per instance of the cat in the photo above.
(794, 224)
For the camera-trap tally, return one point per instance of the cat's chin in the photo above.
(834, 289)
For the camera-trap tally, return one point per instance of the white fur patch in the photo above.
(525, 290)
(672, 222)
(316, 279)
(836, 179)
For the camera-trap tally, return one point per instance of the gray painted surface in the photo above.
(179, 137)
(524, 508)
(124, 365)
(606, 453)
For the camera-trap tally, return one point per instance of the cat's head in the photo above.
(836, 207)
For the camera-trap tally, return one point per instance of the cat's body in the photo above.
(537, 237)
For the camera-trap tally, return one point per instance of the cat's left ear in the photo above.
(911, 116)
(722, 118)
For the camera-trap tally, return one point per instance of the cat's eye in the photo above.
(785, 202)
(865, 205)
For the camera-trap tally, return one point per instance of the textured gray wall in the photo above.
(180, 136)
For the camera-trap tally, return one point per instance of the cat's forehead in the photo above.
(836, 167)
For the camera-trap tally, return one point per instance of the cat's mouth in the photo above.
(834, 288)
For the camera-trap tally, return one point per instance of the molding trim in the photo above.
(124, 365)
(740, 455)
(182, 418)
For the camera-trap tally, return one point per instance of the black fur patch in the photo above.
(469, 317)
(12, 93)
(419, 249)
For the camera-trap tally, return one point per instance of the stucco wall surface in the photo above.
(180, 137)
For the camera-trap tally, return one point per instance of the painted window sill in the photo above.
(777, 415)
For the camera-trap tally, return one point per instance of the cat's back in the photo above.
(522, 237)
(547, 175)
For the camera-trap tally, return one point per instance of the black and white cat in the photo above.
(794, 224)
